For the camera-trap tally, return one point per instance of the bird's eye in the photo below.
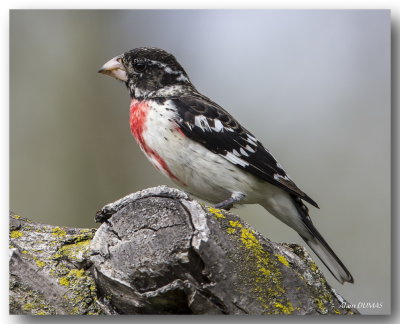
(139, 66)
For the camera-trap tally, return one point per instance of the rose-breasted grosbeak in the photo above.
(203, 149)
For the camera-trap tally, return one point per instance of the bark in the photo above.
(160, 252)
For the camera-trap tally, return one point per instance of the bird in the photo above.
(203, 149)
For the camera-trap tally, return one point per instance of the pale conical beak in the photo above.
(115, 69)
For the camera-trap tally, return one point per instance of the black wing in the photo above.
(207, 123)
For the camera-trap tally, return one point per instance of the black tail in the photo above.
(321, 248)
(327, 256)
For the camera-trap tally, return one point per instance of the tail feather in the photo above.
(291, 210)
(328, 257)
(320, 247)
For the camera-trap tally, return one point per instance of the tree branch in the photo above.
(160, 252)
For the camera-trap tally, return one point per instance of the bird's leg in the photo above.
(228, 204)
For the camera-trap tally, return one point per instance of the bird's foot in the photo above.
(228, 203)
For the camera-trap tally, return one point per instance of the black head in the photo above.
(146, 70)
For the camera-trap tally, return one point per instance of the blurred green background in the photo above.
(314, 86)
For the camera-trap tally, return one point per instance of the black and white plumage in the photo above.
(201, 147)
(205, 122)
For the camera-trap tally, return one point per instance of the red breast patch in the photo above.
(138, 116)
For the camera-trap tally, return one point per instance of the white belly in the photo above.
(201, 172)
(207, 175)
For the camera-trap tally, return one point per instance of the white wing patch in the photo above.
(201, 121)
(236, 152)
(251, 140)
(277, 177)
(250, 149)
(218, 127)
(243, 152)
(235, 160)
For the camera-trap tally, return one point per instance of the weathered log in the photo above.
(160, 252)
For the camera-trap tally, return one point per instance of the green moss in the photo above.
(16, 234)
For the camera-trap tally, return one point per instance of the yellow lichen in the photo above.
(282, 259)
(57, 231)
(267, 276)
(77, 273)
(74, 274)
(235, 224)
(260, 264)
(16, 216)
(73, 250)
(81, 287)
(313, 266)
(41, 313)
(250, 241)
(16, 234)
(288, 309)
(40, 264)
(216, 212)
(64, 281)
(75, 311)
(28, 306)
(321, 305)
(265, 271)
